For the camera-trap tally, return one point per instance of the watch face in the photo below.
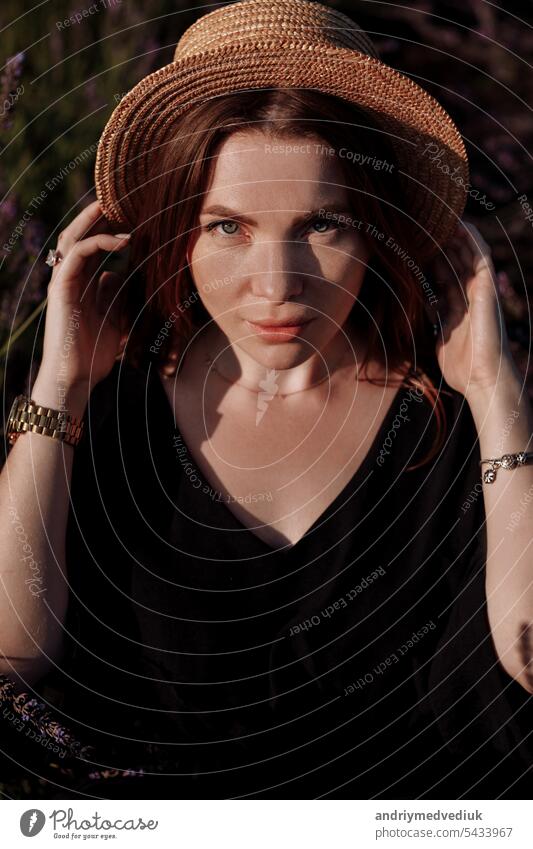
(14, 406)
(10, 433)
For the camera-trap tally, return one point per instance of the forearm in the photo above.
(504, 421)
(34, 499)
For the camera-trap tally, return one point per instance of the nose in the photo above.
(276, 274)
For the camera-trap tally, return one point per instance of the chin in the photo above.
(280, 356)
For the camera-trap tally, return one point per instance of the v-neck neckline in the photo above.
(333, 506)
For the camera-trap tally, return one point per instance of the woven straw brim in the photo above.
(143, 120)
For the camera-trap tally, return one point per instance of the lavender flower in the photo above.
(8, 88)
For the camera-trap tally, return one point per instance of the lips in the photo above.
(272, 323)
(278, 332)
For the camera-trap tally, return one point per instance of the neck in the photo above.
(236, 367)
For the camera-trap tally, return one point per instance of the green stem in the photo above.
(22, 327)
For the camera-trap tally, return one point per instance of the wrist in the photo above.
(507, 385)
(70, 398)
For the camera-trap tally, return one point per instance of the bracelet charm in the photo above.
(507, 461)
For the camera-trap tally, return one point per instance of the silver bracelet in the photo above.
(508, 461)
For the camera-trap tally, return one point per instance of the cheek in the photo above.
(346, 267)
(216, 272)
(218, 297)
(211, 258)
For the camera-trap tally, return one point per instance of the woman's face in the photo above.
(263, 253)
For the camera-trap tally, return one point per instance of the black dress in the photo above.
(358, 663)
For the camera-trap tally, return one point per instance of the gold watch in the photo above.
(26, 415)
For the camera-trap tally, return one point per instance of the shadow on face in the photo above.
(272, 245)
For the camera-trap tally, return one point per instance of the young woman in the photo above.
(271, 567)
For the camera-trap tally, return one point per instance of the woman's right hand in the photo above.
(78, 357)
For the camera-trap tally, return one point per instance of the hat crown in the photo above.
(251, 21)
(257, 44)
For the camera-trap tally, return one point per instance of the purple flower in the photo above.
(8, 209)
(14, 65)
(8, 87)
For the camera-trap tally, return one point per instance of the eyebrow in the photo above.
(219, 209)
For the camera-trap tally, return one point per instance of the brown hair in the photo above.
(162, 301)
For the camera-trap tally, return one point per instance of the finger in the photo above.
(450, 265)
(481, 259)
(88, 222)
(71, 272)
(473, 242)
(462, 271)
(470, 233)
(454, 266)
(464, 249)
(448, 269)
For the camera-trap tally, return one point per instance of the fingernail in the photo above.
(122, 235)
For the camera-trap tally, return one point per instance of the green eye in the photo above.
(330, 224)
(231, 224)
(327, 226)
(224, 223)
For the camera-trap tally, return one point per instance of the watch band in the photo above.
(26, 415)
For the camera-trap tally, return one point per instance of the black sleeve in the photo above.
(69, 691)
(92, 683)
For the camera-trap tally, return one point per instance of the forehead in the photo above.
(253, 166)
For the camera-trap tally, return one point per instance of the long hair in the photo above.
(162, 306)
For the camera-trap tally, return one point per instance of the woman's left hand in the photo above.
(472, 346)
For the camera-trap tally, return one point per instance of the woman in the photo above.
(276, 535)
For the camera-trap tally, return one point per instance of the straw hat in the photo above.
(287, 43)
